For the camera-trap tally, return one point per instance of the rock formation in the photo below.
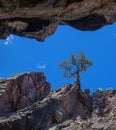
(40, 18)
(26, 103)
(26, 100)
(21, 91)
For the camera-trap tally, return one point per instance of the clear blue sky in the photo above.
(23, 55)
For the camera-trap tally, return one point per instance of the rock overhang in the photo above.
(39, 19)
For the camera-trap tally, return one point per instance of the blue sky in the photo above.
(23, 55)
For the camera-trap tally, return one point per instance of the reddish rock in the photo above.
(40, 18)
(22, 90)
(68, 108)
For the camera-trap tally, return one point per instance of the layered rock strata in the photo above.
(28, 104)
(21, 91)
(40, 18)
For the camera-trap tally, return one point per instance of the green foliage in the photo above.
(109, 89)
(74, 65)
(100, 89)
(2, 80)
(13, 75)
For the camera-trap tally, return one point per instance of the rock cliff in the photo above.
(27, 103)
(21, 91)
(40, 18)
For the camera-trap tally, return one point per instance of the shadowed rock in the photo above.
(21, 91)
(28, 104)
(40, 18)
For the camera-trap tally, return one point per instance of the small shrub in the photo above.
(109, 89)
(100, 90)
(2, 80)
(12, 75)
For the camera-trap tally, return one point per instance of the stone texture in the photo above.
(68, 108)
(40, 18)
(21, 91)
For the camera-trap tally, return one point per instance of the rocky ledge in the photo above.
(27, 103)
(40, 18)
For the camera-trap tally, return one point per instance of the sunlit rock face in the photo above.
(21, 91)
(40, 18)
(28, 104)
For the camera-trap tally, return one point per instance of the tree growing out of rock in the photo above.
(74, 65)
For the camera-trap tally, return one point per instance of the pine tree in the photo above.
(74, 65)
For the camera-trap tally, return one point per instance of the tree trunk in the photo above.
(78, 79)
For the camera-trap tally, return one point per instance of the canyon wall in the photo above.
(28, 103)
(40, 18)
